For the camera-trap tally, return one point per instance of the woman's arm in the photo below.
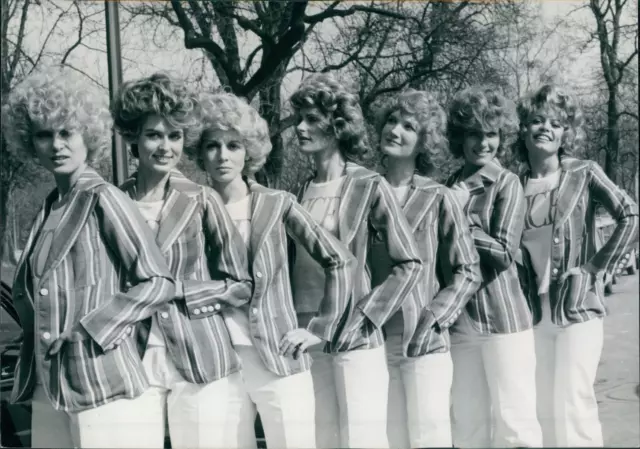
(498, 249)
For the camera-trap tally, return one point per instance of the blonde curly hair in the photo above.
(225, 111)
(561, 102)
(431, 119)
(52, 98)
(479, 109)
(341, 107)
(159, 94)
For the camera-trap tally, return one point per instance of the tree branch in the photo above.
(79, 40)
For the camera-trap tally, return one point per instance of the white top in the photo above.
(321, 200)
(150, 211)
(237, 318)
(540, 196)
(401, 192)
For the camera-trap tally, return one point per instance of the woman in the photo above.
(187, 352)
(412, 130)
(78, 360)
(355, 204)
(233, 146)
(563, 272)
(492, 341)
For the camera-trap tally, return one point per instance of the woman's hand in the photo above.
(296, 342)
(77, 333)
(584, 269)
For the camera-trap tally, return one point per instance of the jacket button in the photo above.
(203, 309)
(216, 307)
(555, 271)
(196, 311)
(129, 330)
(164, 315)
(254, 311)
(258, 274)
(556, 240)
(46, 335)
(210, 309)
(44, 291)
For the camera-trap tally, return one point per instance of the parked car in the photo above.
(605, 225)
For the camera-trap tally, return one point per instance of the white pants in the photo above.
(117, 424)
(199, 416)
(567, 362)
(351, 391)
(494, 377)
(286, 404)
(419, 392)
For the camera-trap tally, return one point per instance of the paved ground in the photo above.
(618, 380)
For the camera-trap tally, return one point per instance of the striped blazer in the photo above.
(496, 210)
(580, 297)
(451, 272)
(201, 247)
(367, 207)
(276, 217)
(101, 241)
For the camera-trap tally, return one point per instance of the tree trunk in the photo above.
(613, 136)
(270, 107)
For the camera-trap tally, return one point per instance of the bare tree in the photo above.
(611, 34)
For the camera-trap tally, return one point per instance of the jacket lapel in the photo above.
(354, 202)
(572, 180)
(265, 212)
(177, 210)
(414, 210)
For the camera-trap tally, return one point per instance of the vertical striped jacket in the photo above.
(102, 240)
(275, 217)
(451, 272)
(496, 211)
(583, 184)
(369, 206)
(201, 247)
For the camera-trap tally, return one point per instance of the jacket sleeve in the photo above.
(152, 285)
(623, 210)
(498, 249)
(459, 261)
(336, 260)
(387, 218)
(231, 284)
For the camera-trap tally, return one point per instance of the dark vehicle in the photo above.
(15, 419)
(605, 225)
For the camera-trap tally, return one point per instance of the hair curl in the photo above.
(225, 111)
(341, 107)
(158, 94)
(432, 122)
(53, 98)
(481, 108)
(561, 102)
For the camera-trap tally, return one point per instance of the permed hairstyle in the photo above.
(564, 106)
(341, 107)
(225, 111)
(432, 122)
(158, 94)
(53, 98)
(481, 109)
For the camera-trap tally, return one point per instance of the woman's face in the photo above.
(543, 133)
(480, 146)
(60, 149)
(160, 145)
(399, 135)
(314, 131)
(223, 153)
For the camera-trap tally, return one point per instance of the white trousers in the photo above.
(567, 362)
(419, 398)
(351, 391)
(286, 404)
(117, 424)
(494, 391)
